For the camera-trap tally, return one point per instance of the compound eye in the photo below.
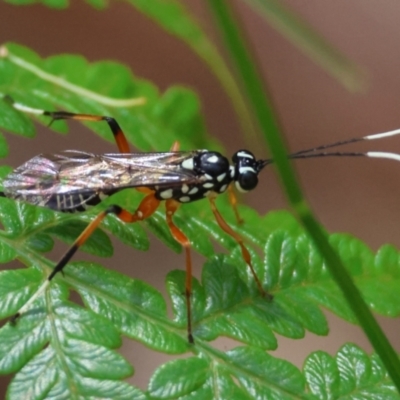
(247, 181)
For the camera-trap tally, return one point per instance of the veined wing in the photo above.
(79, 173)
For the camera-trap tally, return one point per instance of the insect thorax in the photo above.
(212, 173)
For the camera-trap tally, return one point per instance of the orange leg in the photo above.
(233, 201)
(147, 207)
(245, 253)
(175, 146)
(171, 207)
(119, 135)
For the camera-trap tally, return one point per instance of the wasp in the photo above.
(72, 181)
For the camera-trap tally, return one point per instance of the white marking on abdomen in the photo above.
(166, 194)
(185, 188)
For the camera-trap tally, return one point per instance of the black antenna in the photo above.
(316, 151)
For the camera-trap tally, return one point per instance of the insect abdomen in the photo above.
(73, 202)
(60, 202)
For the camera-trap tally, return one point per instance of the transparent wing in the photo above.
(79, 173)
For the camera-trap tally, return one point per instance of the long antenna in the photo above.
(316, 151)
(374, 154)
(376, 136)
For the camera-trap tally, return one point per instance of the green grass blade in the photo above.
(311, 43)
(254, 87)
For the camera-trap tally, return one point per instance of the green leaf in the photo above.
(275, 377)
(4, 171)
(50, 3)
(30, 226)
(16, 286)
(79, 347)
(7, 253)
(67, 231)
(134, 307)
(241, 373)
(322, 375)
(386, 270)
(178, 378)
(108, 389)
(102, 88)
(14, 121)
(228, 311)
(352, 374)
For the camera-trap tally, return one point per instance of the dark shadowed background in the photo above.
(358, 196)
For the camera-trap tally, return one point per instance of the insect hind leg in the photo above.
(66, 258)
(116, 130)
(147, 207)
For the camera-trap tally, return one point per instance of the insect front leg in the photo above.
(245, 253)
(146, 208)
(171, 207)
